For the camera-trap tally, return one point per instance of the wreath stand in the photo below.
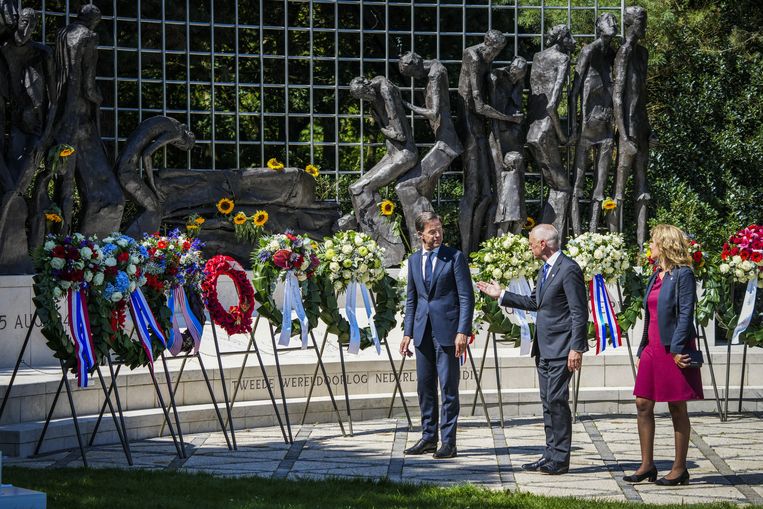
(245, 353)
(118, 423)
(491, 336)
(398, 373)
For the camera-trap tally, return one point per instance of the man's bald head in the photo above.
(548, 233)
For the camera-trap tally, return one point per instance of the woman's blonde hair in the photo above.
(673, 246)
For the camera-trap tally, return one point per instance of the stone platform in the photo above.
(723, 459)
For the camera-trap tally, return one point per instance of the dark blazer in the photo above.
(449, 304)
(678, 296)
(562, 310)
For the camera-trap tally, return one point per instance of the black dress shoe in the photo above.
(681, 479)
(446, 451)
(421, 447)
(651, 474)
(554, 468)
(535, 465)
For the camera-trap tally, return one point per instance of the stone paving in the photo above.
(724, 458)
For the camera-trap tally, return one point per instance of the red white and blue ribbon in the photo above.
(79, 328)
(604, 317)
(144, 319)
(195, 328)
(292, 301)
(350, 302)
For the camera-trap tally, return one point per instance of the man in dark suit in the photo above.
(438, 318)
(559, 298)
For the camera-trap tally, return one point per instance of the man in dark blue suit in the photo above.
(438, 318)
(561, 329)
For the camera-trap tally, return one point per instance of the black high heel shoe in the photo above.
(651, 475)
(681, 479)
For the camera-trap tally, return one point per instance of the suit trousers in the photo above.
(554, 379)
(434, 362)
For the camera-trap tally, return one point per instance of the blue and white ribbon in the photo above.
(292, 301)
(748, 305)
(143, 319)
(351, 301)
(604, 318)
(79, 328)
(521, 286)
(195, 328)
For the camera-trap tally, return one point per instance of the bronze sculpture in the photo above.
(595, 130)
(415, 191)
(479, 177)
(401, 156)
(632, 120)
(544, 136)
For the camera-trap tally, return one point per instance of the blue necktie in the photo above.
(543, 277)
(428, 269)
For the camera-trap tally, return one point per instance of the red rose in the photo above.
(734, 251)
(298, 262)
(162, 244)
(291, 237)
(111, 271)
(758, 245)
(186, 245)
(281, 258)
(756, 257)
(697, 256)
(123, 257)
(744, 254)
(58, 252)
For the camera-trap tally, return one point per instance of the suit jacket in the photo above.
(449, 303)
(678, 296)
(562, 310)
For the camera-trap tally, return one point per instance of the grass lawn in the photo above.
(74, 488)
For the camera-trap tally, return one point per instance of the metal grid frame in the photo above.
(122, 118)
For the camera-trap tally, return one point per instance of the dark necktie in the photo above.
(428, 269)
(543, 277)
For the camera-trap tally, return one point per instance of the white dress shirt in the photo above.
(424, 254)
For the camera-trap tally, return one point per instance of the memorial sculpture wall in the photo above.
(51, 149)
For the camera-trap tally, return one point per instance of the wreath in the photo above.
(278, 254)
(237, 319)
(503, 259)
(67, 263)
(353, 256)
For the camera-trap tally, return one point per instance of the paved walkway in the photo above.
(724, 458)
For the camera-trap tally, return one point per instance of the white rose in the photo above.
(497, 273)
(122, 243)
(98, 279)
(57, 293)
(116, 296)
(65, 284)
(131, 269)
(86, 252)
(739, 273)
(347, 274)
(724, 268)
(506, 243)
(372, 247)
(57, 263)
(49, 245)
(488, 258)
(359, 241)
(110, 261)
(88, 276)
(363, 268)
(747, 265)
(347, 249)
(334, 266)
(598, 254)
(508, 275)
(329, 244)
(737, 259)
(135, 259)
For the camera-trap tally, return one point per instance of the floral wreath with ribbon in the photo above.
(121, 294)
(69, 266)
(174, 272)
(292, 259)
(603, 259)
(741, 263)
(508, 260)
(236, 319)
(351, 262)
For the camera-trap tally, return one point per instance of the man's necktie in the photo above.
(428, 269)
(543, 277)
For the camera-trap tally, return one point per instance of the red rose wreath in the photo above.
(237, 319)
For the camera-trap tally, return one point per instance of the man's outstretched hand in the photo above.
(492, 289)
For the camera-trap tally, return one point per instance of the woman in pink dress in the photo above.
(669, 334)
